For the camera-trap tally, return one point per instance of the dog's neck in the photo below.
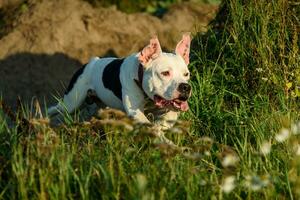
(149, 103)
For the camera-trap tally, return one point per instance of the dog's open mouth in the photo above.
(176, 103)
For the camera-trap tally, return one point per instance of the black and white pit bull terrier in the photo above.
(128, 83)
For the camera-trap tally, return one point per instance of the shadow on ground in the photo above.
(31, 75)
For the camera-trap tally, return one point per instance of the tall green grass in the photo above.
(243, 141)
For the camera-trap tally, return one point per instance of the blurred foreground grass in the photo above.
(242, 140)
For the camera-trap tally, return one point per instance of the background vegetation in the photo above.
(155, 7)
(243, 141)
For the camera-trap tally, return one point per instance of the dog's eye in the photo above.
(165, 73)
(186, 74)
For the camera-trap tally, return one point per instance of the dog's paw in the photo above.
(163, 140)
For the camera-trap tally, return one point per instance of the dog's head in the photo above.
(166, 75)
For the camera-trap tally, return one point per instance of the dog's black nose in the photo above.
(184, 88)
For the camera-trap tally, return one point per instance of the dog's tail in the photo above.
(59, 108)
(53, 110)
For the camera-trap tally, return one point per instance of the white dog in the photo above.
(128, 83)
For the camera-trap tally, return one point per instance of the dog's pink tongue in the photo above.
(184, 106)
(159, 102)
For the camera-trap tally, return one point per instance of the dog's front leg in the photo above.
(166, 120)
(134, 107)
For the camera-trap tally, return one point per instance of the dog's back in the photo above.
(90, 77)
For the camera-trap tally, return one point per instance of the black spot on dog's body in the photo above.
(74, 79)
(111, 77)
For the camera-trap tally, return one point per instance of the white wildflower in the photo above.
(230, 160)
(207, 139)
(259, 69)
(265, 148)
(295, 128)
(141, 181)
(203, 182)
(256, 183)
(264, 79)
(228, 184)
(283, 135)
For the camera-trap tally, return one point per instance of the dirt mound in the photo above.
(53, 38)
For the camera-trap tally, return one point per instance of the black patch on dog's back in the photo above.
(74, 79)
(111, 77)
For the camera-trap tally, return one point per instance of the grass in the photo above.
(243, 141)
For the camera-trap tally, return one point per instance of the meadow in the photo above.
(240, 139)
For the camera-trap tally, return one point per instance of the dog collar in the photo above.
(139, 82)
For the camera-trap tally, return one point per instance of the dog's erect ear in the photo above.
(183, 48)
(150, 52)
